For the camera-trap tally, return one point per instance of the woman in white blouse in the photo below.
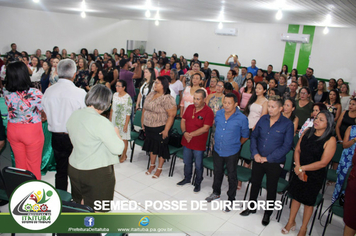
(149, 77)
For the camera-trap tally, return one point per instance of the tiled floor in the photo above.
(133, 184)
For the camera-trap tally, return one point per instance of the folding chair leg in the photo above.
(331, 217)
(321, 207)
(132, 150)
(315, 213)
(326, 222)
(171, 169)
(149, 161)
(248, 185)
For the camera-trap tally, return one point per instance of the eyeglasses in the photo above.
(156, 82)
(219, 85)
(304, 93)
(118, 86)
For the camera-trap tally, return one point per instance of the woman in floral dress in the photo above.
(120, 114)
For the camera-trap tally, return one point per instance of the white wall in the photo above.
(259, 41)
(31, 29)
(332, 55)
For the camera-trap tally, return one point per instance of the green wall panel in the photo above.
(290, 48)
(305, 50)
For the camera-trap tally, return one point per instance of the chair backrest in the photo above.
(245, 151)
(176, 125)
(13, 177)
(137, 118)
(338, 152)
(289, 161)
(296, 139)
(177, 99)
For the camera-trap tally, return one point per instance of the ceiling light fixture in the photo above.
(157, 22)
(326, 30)
(148, 14)
(220, 25)
(279, 14)
(83, 5)
(157, 15)
(36, 1)
(83, 15)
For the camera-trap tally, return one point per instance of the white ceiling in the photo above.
(304, 12)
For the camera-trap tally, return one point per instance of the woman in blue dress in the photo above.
(349, 145)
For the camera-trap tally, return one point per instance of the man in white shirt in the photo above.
(59, 102)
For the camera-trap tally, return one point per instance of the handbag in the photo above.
(141, 134)
(175, 138)
(342, 199)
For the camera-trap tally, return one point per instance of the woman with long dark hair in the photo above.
(288, 112)
(93, 75)
(257, 105)
(84, 52)
(246, 92)
(284, 70)
(46, 66)
(24, 128)
(332, 84)
(149, 78)
(112, 73)
(313, 153)
(304, 106)
(81, 79)
(333, 104)
(158, 113)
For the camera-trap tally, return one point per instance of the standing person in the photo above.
(59, 102)
(207, 73)
(270, 73)
(240, 78)
(212, 87)
(11, 55)
(246, 92)
(345, 96)
(292, 93)
(81, 80)
(157, 119)
(333, 104)
(24, 128)
(129, 76)
(176, 85)
(54, 73)
(44, 81)
(350, 204)
(120, 113)
(233, 63)
(288, 111)
(304, 106)
(93, 75)
(346, 119)
(332, 84)
(112, 74)
(349, 145)
(149, 78)
(187, 77)
(166, 70)
(215, 102)
(189, 92)
(313, 82)
(320, 94)
(195, 125)
(259, 77)
(313, 153)
(230, 79)
(231, 132)
(310, 121)
(96, 144)
(253, 68)
(271, 140)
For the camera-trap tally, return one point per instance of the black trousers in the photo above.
(231, 162)
(272, 171)
(62, 148)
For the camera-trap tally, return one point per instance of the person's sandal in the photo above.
(156, 176)
(153, 166)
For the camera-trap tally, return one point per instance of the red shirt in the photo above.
(163, 72)
(209, 91)
(204, 117)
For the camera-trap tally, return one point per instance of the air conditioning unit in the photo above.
(298, 38)
(226, 31)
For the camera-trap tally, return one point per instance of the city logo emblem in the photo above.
(89, 221)
(144, 221)
(35, 205)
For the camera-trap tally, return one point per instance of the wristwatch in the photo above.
(300, 169)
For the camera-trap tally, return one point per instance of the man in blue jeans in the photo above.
(195, 125)
(231, 132)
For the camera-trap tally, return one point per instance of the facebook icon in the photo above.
(89, 221)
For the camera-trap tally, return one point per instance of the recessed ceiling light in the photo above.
(220, 25)
(156, 22)
(148, 13)
(36, 1)
(83, 15)
(279, 14)
(326, 30)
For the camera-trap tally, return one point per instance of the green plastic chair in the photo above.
(331, 174)
(134, 135)
(336, 208)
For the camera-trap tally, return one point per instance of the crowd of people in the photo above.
(89, 103)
